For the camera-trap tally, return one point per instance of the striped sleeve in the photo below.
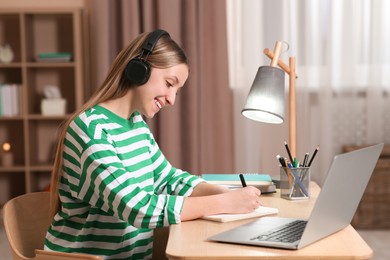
(168, 179)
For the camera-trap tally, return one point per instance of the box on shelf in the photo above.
(53, 106)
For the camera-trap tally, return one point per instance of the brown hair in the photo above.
(166, 53)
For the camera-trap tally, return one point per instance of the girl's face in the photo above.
(160, 90)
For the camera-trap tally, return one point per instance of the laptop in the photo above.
(336, 204)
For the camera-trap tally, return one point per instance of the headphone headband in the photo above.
(153, 39)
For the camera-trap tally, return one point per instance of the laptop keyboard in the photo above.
(287, 233)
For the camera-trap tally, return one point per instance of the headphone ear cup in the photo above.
(137, 71)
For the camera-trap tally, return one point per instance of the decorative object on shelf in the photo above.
(6, 54)
(7, 157)
(53, 103)
(55, 56)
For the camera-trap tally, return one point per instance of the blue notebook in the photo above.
(232, 180)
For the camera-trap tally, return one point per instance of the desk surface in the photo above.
(188, 240)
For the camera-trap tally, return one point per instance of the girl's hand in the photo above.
(242, 200)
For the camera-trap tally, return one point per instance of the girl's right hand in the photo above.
(243, 200)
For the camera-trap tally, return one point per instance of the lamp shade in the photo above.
(265, 101)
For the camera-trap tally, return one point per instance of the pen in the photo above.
(314, 154)
(305, 159)
(296, 177)
(288, 151)
(285, 163)
(242, 180)
(281, 160)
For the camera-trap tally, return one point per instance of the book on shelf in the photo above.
(232, 180)
(54, 56)
(10, 99)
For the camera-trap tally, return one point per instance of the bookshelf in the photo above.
(33, 32)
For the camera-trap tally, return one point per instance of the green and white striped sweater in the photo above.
(115, 188)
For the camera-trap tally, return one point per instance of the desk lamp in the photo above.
(265, 101)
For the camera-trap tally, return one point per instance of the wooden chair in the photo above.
(26, 219)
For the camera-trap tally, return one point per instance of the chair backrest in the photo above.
(50, 255)
(26, 220)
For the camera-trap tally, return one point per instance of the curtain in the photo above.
(343, 68)
(196, 133)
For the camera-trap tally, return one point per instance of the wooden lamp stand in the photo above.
(290, 70)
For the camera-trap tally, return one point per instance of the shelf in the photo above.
(10, 65)
(10, 27)
(42, 136)
(16, 168)
(50, 64)
(11, 118)
(10, 74)
(35, 117)
(41, 168)
(31, 30)
(43, 117)
(12, 131)
(49, 33)
(39, 77)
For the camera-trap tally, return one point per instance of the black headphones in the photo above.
(138, 69)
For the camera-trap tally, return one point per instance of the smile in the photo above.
(158, 104)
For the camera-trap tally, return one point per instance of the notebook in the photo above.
(337, 202)
(259, 212)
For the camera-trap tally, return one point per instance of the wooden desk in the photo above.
(188, 240)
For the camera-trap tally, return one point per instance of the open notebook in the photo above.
(260, 211)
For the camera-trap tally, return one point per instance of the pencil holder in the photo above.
(294, 183)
